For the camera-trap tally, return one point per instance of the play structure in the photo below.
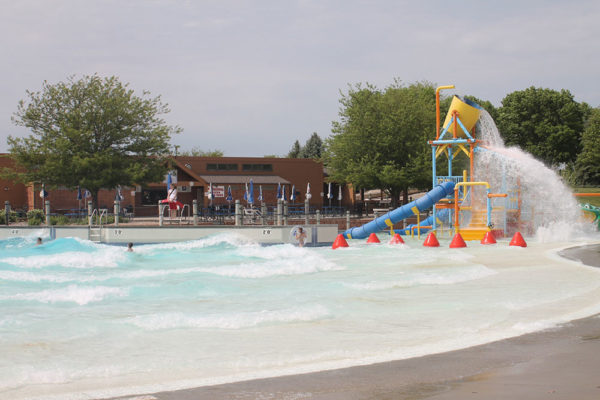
(495, 194)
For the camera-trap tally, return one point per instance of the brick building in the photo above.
(193, 177)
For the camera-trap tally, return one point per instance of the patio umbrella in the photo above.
(210, 193)
(308, 195)
(260, 195)
(293, 194)
(283, 194)
(251, 193)
(169, 181)
(79, 197)
(229, 197)
(246, 193)
(278, 191)
(339, 193)
(43, 193)
(329, 194)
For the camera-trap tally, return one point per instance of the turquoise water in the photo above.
(81, 320)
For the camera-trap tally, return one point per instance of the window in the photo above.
(257, 167)
(153, 196)
(221, 167)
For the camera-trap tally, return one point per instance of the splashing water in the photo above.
(538, 200)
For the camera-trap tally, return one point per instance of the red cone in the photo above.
(397, 239)
(457, 241)
(431, 241)
(489, 238)
(518, 240)
(373, 238)
(339, 242)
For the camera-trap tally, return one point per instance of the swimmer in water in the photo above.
(39, 241)
(300, 236)
(130, 246)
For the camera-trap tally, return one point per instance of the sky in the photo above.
(251, 77)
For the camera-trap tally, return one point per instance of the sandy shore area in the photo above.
(560, 363)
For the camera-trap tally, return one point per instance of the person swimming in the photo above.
(130, 246)
(39, 241)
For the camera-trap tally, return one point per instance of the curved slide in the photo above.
(388, 220)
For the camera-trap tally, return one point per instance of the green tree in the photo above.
(313, 148)
(544, 122)
(92, 132)
(381, 138)
(295, 150)
(587, 165)
(198, 152)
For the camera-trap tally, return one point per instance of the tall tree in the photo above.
(381, 138)
(313, 148)
(546, 123)
(587, 166)
(91, 132)
(295, 150)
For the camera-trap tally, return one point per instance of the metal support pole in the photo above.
(161, 210)
(285, 212)
(47, 207)
(263, 214)
(318, 215)
(306, 211)
(7, 212)
(117, 210)
(90, 211)
(347, 219)
(238, 213)
(279, 211)
(195, 211)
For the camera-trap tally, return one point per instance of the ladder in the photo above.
(95, 230)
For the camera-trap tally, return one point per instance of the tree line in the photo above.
(97, 133)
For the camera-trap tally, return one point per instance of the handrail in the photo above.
(98, 217)
(457, 207)
(185, 206)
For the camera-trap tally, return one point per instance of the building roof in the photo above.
(236, 179)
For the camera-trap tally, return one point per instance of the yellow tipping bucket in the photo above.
(468, 113)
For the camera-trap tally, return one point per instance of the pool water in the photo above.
(83, 320)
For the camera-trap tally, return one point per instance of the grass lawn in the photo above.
(595, 201)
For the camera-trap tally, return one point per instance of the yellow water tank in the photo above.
(468, 113)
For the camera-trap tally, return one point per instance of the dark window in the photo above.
(152, 196)
(221, 167)
(257, 167)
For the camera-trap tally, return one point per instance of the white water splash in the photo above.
(545, 201)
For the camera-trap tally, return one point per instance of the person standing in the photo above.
(300, 236)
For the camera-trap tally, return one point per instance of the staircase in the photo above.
(477, 228)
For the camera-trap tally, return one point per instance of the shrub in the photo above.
(35, 217)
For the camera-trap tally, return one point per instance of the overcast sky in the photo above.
(251, 77)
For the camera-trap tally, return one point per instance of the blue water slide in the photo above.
(388, 220)
(440, 215)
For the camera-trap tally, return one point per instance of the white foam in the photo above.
(232, 239)
(443, 277)
(229, 321)
(107, 258)
(81, 295)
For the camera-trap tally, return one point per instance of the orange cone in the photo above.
(397, 239)
(339, 242)
(457, 241)
(373, 238)
(489, 238)
(518, 240)
(431, 241)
